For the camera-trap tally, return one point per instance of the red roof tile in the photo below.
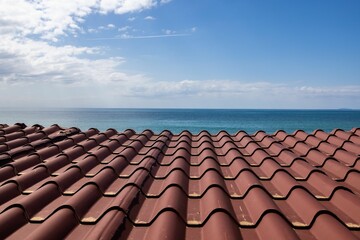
(66, 183)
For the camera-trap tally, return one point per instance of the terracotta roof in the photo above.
(66, 183)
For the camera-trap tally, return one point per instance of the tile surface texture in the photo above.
(67, 183)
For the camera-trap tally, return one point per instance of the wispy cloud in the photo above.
(127, 36)
(157, 36)
(124, 29)
(168, 31)
(110, 26)
(139, 91)
(165, 1)
(150, 88)
(101, 28)
(149, 18)
(329, 91)
(235, 89)
(92, 30)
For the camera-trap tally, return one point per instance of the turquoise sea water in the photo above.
(193, 120)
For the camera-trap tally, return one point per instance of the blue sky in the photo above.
(161, 53)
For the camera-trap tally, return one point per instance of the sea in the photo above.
(193, 120)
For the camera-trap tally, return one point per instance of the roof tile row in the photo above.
(91, 185)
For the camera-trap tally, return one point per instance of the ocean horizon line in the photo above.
(193, 120)
(178, 108)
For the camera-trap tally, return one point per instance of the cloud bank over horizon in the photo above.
(45, 45)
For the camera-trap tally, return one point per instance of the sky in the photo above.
(180, 54)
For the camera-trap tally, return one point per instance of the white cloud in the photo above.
(197, 88)
(165, 1)
(123, 29)
(193, 29)
(149, 18)
(329, 91)
(92, 30)
(231, 89)
(125, 6)
(131, 19)
(107, 27)
(28, 27)
(124, 36)
(138, 91)
(168, 31)
(26, 61)
(51, 19)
